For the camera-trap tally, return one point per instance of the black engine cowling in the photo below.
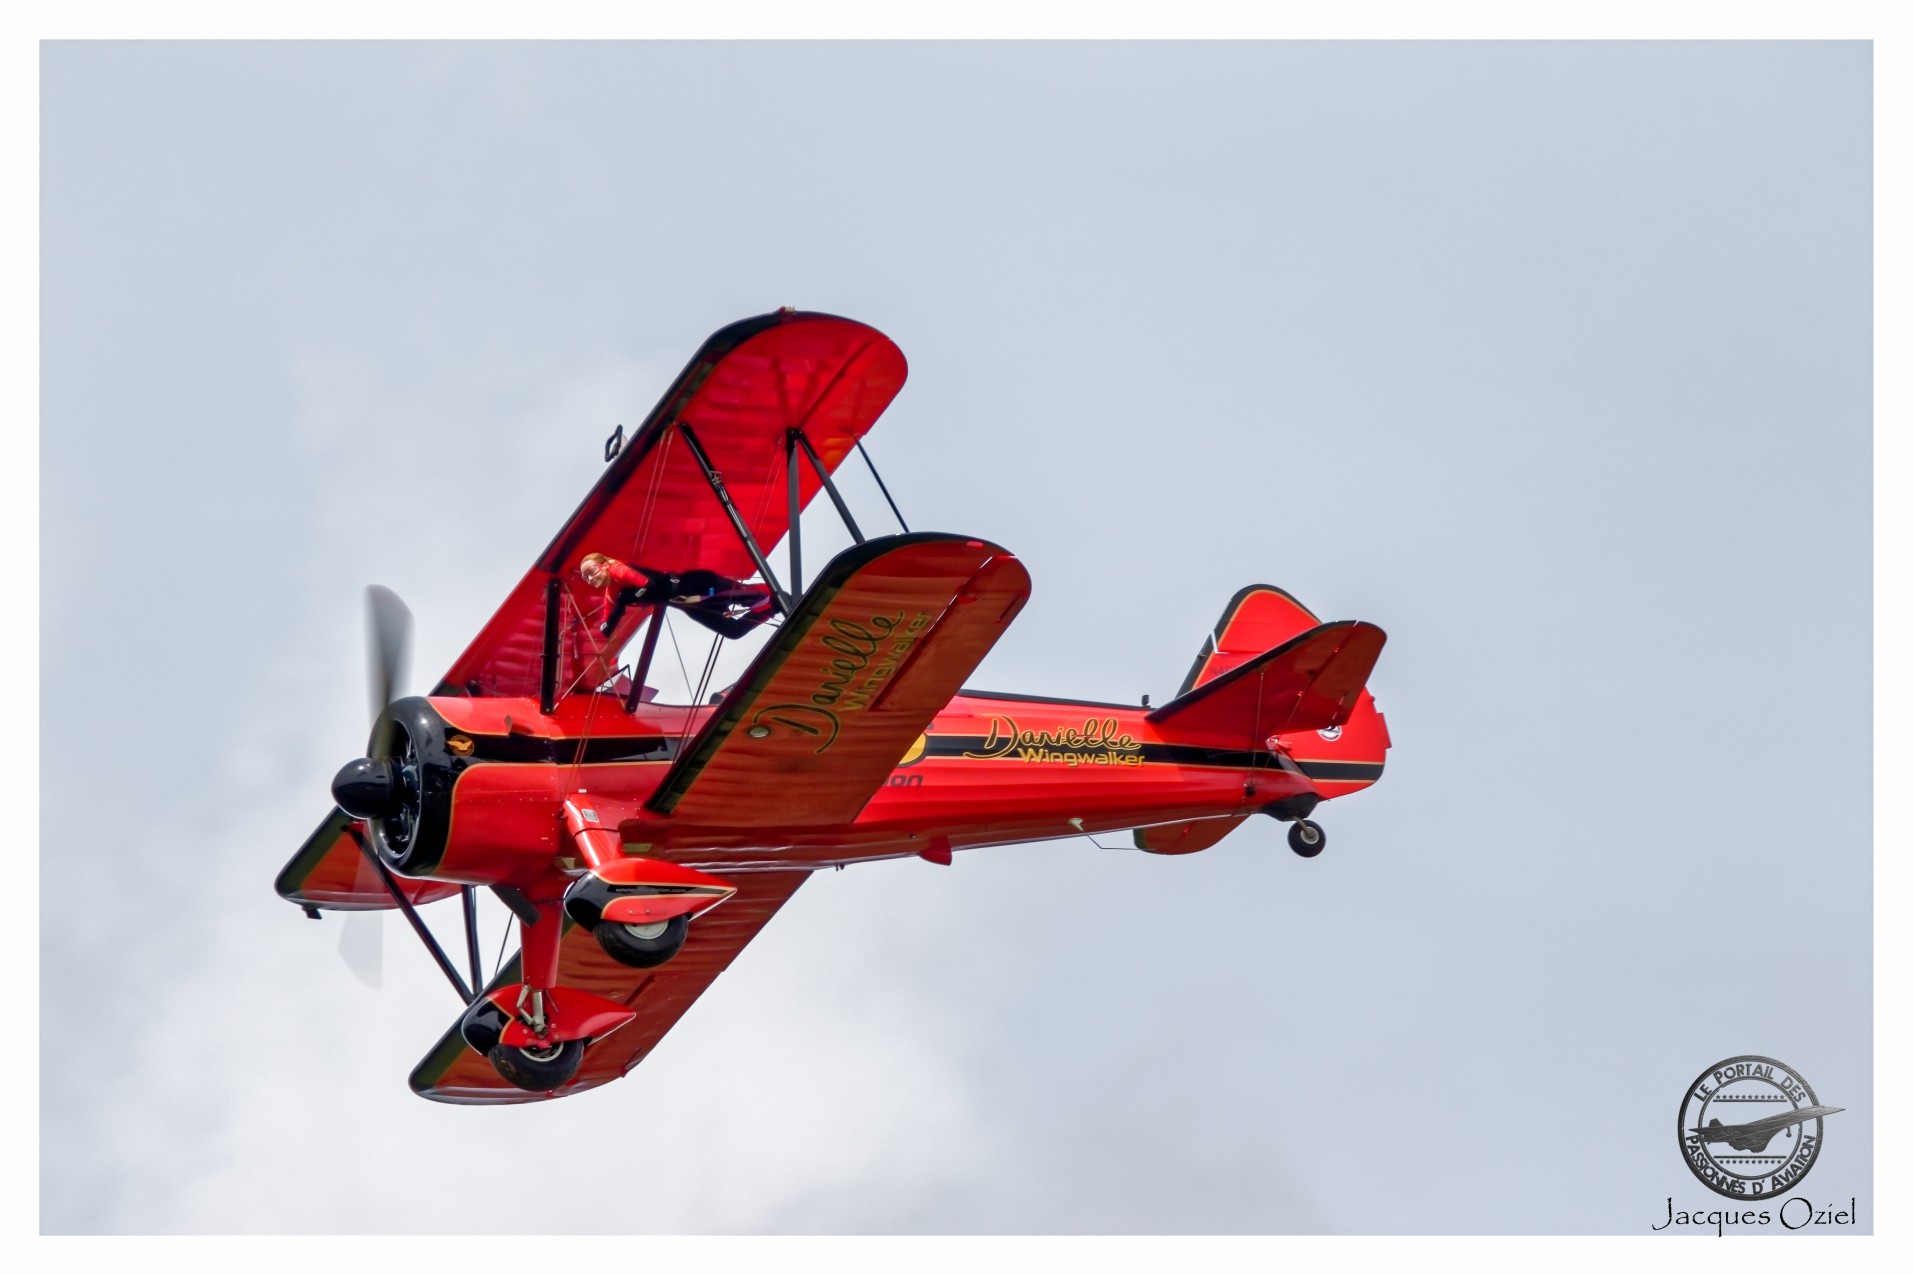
(403, 787)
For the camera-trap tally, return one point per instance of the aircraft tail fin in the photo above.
(1310, 682)
(1271, 668)
(1257, 618)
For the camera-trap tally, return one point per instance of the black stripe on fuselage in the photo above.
(647, 748)
(1342, 771)
(533, 748)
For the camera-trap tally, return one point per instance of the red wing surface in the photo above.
(453, 1073)
(882, 641)
(1309, 682)
(330, 871)
(750, 384)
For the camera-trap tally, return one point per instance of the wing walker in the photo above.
(642, 845)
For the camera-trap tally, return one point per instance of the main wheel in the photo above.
(642, 946)
(1307, 838)
(538, 1068)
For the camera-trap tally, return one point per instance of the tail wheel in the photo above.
(538, 1068)
(642, 946)
(1306, 838)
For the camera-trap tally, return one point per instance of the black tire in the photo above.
(1306, 838)
(630, 945)
(538, 1070)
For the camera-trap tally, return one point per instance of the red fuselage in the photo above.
(989, 770)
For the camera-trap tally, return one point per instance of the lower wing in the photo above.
(452, 1072)
(331, 871)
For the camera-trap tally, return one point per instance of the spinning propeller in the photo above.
(374, 786)
(388, 639)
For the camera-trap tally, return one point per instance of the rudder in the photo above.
(1257, 619)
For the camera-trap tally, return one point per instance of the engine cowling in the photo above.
(402, 788)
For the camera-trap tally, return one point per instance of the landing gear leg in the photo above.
(543, 1064)
(1306, 838)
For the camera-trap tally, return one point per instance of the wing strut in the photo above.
(636, 694)
(548, 675)
(469, 897)
(843, 510)
(411, 914)
(737, 519)
(881, 485)
(796, 496)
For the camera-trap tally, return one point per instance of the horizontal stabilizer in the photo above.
(1310, 682)
(1186, 837)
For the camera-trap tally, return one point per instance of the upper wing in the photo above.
(745, 388)
(749, 385)
(453, 1073)
(882, 641)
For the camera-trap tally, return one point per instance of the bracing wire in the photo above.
(498, 962)
(710, 666)
(668, 628)
(703, 682)
(596, 657)
(578, 758)
(651, 491)
(690, 713)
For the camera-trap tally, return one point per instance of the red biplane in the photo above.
(641, 845)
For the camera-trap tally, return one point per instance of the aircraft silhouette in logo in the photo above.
(1756, 1134)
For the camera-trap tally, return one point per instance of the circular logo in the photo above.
(1751, 1127)
(1330, 733)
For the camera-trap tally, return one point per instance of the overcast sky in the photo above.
(1552, 360)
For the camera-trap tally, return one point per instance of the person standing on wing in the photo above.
(723, 605)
